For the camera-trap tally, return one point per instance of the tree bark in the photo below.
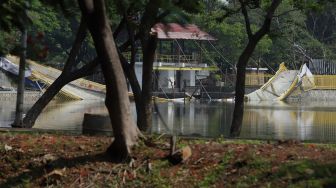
(53, 89)
(253, 40)
(238, 112)
(66, 77)
(117, 102)
(136, 89)
(21, 81)
(148, 47)
(42, 102)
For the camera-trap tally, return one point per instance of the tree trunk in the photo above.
(42, 102)
(21, 81)
(61, 81)
(148, 47)
(117, 102)
(238, 112)
(136, 89)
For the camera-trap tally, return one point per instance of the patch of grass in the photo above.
(26, 181)
(199, 141)
(215, 174)
(259, 163)
(326, 146)
(151, 178)
(2, 148)
(259, 168)
(307, 173)
(221, 139)
(243, 141)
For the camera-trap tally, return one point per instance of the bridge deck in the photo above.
(80, 89)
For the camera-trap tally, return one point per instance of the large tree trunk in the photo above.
(66, 77)
(148, 47)
(117, 102)
(21, 81)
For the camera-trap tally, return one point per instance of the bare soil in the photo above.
(53, 160)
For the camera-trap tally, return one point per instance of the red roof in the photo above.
(177, 31)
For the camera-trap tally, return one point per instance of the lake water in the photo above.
(314, 121)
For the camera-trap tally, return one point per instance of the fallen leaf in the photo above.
(53, 177)
(48, 158)
(8, 148)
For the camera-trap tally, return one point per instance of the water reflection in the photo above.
(57, 115)
(194, 119)
(7, 112)
(266, 120)
(69, 115)
(314, 121)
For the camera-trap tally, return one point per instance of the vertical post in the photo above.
(160, 47)
(21, 81)
(172, 144)
(200, 52)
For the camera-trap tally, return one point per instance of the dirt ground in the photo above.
(53, 160)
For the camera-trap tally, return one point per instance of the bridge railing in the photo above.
(251, 79)
(257, 79)
(164, 58)
(313, 82)
(323, 81)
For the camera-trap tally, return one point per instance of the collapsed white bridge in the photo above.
(283, 84)
(80, 89)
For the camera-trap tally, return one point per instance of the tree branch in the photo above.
(119, 27)
(228, 12)
(80, 36)
(246, 18)
(86, 70)
(126, 44)
(162, 15)
(286, 12)
(268, 19)
(132, 40)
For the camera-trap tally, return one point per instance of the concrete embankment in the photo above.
(313, 95)
(11, 95)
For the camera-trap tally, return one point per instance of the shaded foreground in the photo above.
(72, 161)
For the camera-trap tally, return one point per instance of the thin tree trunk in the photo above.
(238, 112)
(21, 81)
(117, 102)
(130, 71)
(42, 102)
(61, 81)
(136, 89)
(53, 90)
(148, 48)
(67, 77)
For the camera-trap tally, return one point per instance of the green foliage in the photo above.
(45, 19)
(8, 40)
(293, 24)
(308, 23)
(12, 14)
